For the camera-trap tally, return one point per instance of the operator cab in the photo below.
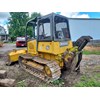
(53, 27)
(50, 34)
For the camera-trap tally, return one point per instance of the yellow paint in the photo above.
(53, 51)
(53, 47)
(32, 47)
(45, 47)
(53, 57)
(57, 49)
(48, 71)
(13, 55)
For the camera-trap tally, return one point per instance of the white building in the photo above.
(3, 34)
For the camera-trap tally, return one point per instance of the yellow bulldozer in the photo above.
(50, 51)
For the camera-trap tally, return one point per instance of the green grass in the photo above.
(85, 52)
(86, 81)
(21, 84)
(59, 82)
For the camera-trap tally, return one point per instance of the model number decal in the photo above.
(63, 44)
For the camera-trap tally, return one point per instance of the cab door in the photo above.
(45, 35)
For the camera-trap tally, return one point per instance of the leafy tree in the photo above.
(31, 30)
(35, 14)
(17, 23)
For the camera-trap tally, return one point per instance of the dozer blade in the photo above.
(45, 70)
(12, 56)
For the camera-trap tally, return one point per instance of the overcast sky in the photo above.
(77, 27)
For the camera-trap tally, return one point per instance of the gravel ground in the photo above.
(90, 60)
(7, 47)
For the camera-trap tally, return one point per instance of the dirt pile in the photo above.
(92, 48)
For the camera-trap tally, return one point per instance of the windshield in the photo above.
(20, 39)
(61, 28)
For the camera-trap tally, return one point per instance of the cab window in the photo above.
(61, 28)
(44, 29)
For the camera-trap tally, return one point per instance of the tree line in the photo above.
(17, 23)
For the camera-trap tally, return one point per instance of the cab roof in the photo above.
(46, 16)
